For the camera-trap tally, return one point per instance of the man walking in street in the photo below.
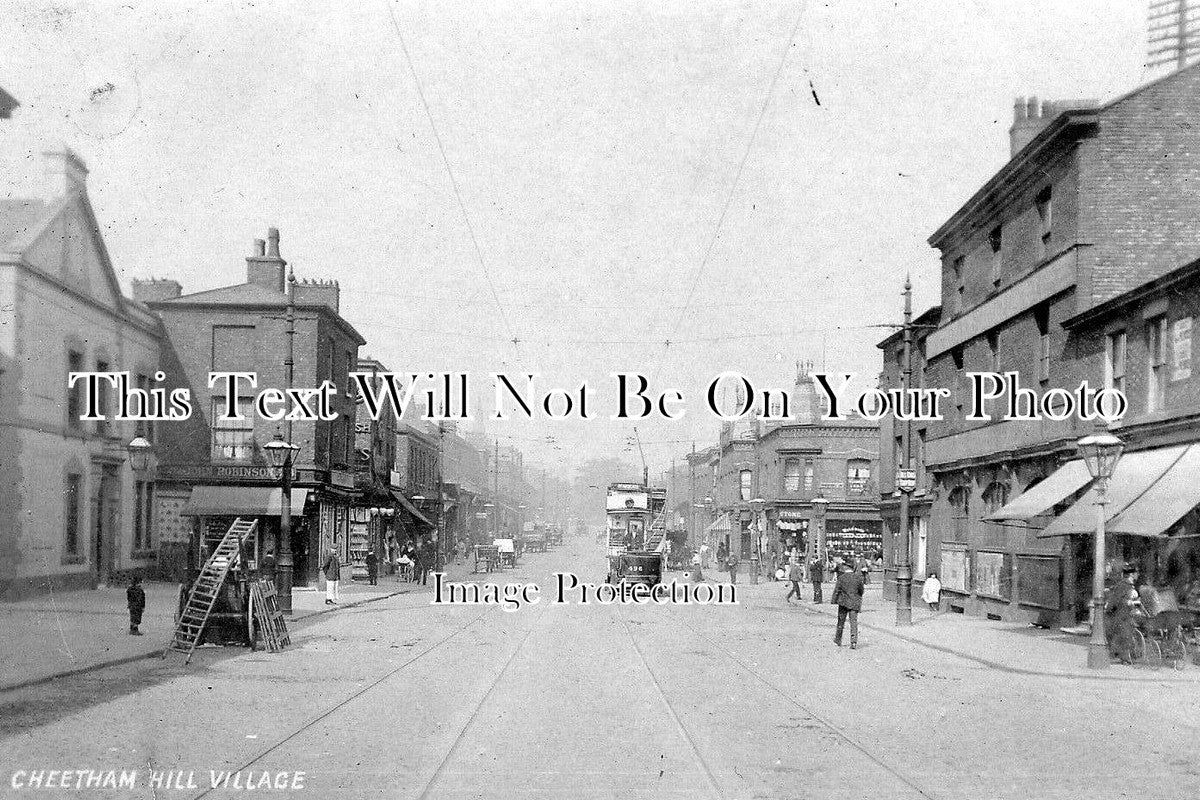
(816, 573)
(795, 574)
(848, 595)
(372, 567)
(135, 596)
(732, 564)
(333, 573)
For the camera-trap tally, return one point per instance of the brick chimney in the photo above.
(151, 290)
(317, 292)
(66, 174)
(265, 268)
(1030, 117)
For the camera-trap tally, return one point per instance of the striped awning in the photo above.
(722, 525)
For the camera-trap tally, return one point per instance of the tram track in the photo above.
(701, 762)
(341, 704)
(839, 732)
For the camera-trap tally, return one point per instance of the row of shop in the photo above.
(851, 532)
(1031, 558)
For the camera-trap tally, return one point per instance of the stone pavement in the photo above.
(65, 633)
(1005, 646)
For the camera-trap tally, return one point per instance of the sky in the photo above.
(671, 188)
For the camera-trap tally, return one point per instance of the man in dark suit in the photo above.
(847, 594)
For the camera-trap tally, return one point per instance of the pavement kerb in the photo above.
(1158, 676)
(158, 649)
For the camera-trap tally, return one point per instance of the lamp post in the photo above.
(756, 507)
(282, 454)
(1101, 451)
(816, 538)
(904, 551)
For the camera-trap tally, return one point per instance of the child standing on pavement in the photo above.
(135, 597)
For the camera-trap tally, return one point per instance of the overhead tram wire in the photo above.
(732, 191)
(512, 336)
(693, 340)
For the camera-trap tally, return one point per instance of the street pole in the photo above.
(496, 492)
(1098, 644)
(903, 555)
(439, 528)
(284, 562)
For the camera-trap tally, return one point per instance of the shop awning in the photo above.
(250, 501)
(720, 526)
(1162, 505)
(1056, 487)
(1136, 473)
(409, 507)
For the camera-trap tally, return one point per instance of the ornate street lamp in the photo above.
(756, 508)
(140, 451)
(816, 538)
(281, 455)
(1100, 451)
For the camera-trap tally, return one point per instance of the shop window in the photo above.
(791, 475)
(1156, 363)
(1115, 345)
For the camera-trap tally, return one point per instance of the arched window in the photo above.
(960, 501)
(995, 496)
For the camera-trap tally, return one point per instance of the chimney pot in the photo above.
(260, 248)
(273, 242)
(1031, 108)
(1018, 110)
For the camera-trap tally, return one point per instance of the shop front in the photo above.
(214, 508)
(1151, 520)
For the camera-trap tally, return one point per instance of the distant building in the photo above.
(73, 512)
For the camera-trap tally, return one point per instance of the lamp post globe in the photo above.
(1101, 451)
(139, 453)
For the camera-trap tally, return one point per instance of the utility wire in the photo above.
(512, 337)
(732, 191)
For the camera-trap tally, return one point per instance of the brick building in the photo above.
(788, 465)
(62, 311)
(211, 469)
(1096, 202)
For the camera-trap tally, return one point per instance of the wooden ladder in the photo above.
(268, 617)
(203, 595)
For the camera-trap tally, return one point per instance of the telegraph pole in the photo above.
(904, 553)
(284, 563)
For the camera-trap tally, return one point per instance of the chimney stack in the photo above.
(267, 269)
(318, 292)
(66, 174)
(152, 290)
(1030, 117)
